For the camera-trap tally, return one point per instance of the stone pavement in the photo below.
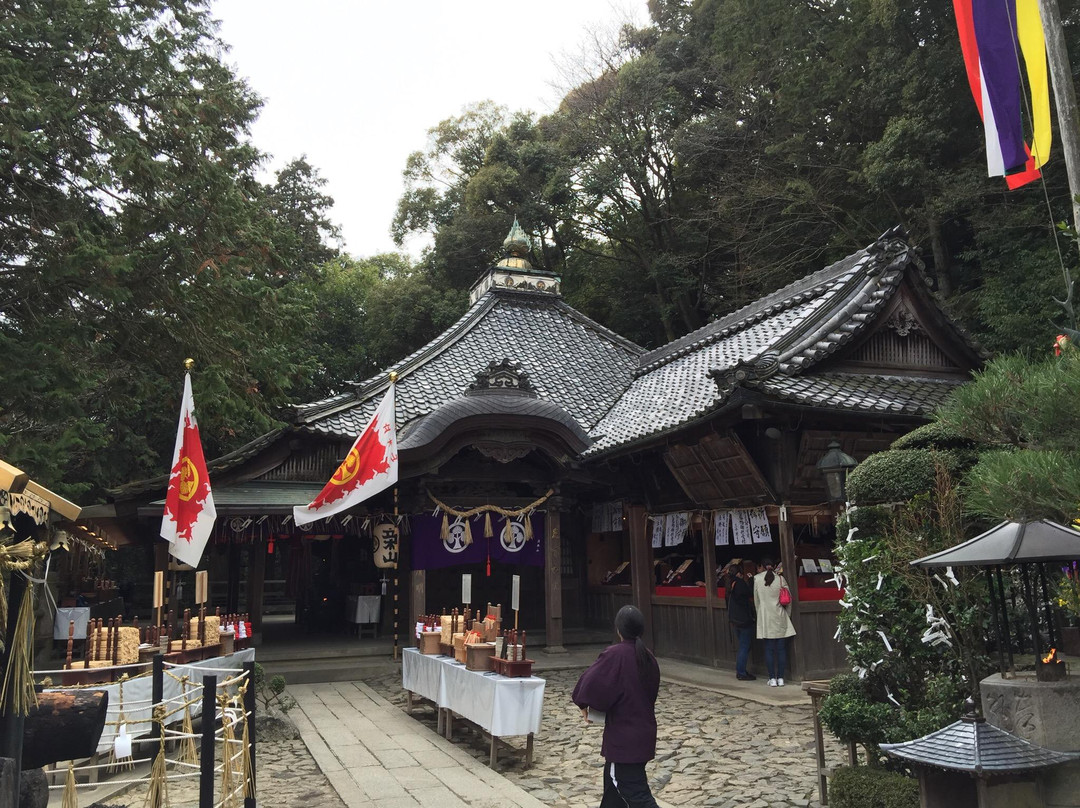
(376, 756)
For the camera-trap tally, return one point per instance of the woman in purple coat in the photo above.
(623, 683)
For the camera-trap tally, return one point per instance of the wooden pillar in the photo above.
(791, 575)
(642, 577)
(417, 597)
(708, 558)
(553, 620)
(232, 595)
(256, 585)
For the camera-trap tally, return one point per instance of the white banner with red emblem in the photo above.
(189, 504)
(370, 467)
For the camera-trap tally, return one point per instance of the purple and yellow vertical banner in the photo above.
(994, 36)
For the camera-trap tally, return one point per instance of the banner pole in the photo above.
(397, 588)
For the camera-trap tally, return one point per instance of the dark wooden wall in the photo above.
(681, 627)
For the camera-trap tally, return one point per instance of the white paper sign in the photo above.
(466, 588)
(659, 524)
(740, 527)
(122, 743)
(616, 517)
(515, 593)
(675, 528)
(722, 527)
(759, 526)
(809, 565)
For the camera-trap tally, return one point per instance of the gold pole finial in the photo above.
(393, 376)
(189, 363)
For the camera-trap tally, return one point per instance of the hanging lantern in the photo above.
(384, 550)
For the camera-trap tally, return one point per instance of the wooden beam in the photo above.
(641, 567)
(791, 575)
(256, 585)
(708, 556)
(12, 479)
(553, 621)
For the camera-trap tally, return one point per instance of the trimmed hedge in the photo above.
(866, 787)
(896, 475)
(934, 435)
(899, 475)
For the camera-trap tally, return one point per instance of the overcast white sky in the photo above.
(356, 84)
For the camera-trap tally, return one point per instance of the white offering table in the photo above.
(500, 706)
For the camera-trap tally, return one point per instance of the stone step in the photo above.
(315, 671)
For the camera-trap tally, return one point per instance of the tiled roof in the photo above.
(977, 747)
(570, 360)
(768, 345)
(855, 391)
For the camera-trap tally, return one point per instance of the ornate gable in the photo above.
(906, 340)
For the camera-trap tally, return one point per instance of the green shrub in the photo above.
(934, 435)
(864, 787)
(898, 475)
(851, 716)
(271, 692)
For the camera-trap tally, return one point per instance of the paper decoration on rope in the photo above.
(740, 527)
(722, 527)
(759, 526)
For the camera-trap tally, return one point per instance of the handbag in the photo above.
(785, 596)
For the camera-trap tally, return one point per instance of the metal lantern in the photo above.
(835, 466)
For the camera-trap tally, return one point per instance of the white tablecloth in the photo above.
(64, 616)
(501, 705)
(136, 701)
(363, 608)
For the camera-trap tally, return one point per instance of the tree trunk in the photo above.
(64, 726)
(941, 256)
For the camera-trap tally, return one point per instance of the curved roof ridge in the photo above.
(363, 390)
(795, 293)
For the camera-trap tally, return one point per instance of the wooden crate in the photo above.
(515, 668)
(429, 642)
(478, 656)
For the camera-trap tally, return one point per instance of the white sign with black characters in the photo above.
(740, 527)
(759, 526)
(659, 527)
(676, 527)
(722, 527)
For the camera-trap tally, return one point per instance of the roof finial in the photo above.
(517, 242)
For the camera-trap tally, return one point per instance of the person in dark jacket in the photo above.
(740, 602)
(623, 684)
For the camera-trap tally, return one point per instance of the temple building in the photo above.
(536, 442)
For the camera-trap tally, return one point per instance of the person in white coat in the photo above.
(773, 623)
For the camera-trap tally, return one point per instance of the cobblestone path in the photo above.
(713, 751)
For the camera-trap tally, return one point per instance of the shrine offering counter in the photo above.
(498, 706)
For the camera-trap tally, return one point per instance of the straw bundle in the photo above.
(178, 645)
(212, 627)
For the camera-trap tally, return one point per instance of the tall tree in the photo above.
(132, 234)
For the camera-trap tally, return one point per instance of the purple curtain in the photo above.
(430, 552)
